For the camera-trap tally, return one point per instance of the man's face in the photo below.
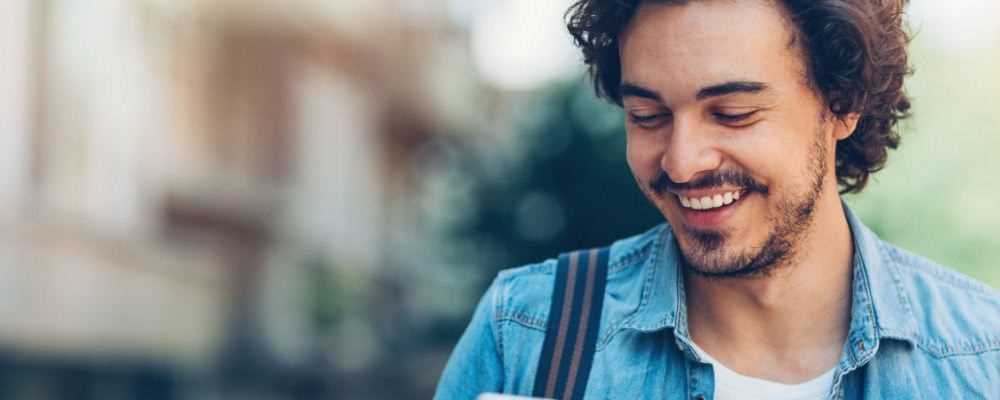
(725, 135)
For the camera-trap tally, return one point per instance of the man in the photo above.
(745, 121)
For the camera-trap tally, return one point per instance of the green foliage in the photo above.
(566, 185)
(938, 194)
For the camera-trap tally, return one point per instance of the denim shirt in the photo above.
(917, 330)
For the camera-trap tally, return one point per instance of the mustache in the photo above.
(662, 182)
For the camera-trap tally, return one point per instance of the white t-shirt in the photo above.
(730, 385)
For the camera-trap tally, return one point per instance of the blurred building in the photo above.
(179, 175)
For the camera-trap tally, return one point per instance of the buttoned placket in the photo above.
(862, 339)
(700, 374)
(701, 380)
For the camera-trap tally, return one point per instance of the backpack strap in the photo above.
(574, 318)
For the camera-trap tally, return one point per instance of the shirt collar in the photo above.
(880, 308)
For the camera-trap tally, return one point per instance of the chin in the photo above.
(716, 255)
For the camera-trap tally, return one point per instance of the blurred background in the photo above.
(222, 199)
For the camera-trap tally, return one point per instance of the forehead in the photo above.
(678, 49)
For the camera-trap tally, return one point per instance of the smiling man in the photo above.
(745, 120)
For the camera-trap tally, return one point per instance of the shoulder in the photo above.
(954, 314)
(523, 294)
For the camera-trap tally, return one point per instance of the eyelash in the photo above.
(731, 118)
(641, 119)
(646, 120)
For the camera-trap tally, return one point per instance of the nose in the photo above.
(691, 150)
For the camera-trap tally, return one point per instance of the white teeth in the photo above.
(707, 203)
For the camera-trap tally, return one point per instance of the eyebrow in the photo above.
(628, 89)
(632, 90)
(731, 88)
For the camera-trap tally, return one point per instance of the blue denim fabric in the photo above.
(917, 330)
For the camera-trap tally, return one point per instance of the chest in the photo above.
(651, 366)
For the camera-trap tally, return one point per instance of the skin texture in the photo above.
(768, 284)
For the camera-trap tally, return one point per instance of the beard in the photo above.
(706, 254)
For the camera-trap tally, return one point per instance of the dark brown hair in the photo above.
(856, 58)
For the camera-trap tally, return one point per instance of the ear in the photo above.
(844, 127)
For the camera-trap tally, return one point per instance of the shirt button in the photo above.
(861, 346)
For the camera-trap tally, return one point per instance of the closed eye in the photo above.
(733, 118)
(649, 120)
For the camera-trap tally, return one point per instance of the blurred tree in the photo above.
(552, 181)
(565, 185)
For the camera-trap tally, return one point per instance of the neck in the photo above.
(787, 326)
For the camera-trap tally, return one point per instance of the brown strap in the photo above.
(572, 327)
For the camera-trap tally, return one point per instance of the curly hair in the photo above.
(855, 56)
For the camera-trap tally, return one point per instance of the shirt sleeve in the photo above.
(475, 365)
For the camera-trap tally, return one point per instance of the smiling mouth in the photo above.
(707, 203)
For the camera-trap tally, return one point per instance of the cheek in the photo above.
(768, 152)
(643, 157)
